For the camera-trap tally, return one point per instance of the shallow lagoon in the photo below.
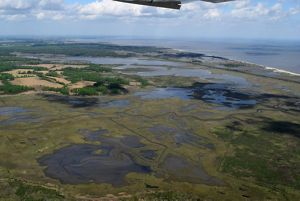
(82, 102)
(90, 164)
(164, 93)
(200, 73)
(9, 111)
(14, 115)
(124, 62)
(224, 95)
(220, 94)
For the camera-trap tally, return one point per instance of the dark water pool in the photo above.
(81, 102)
(86, 163)
(164, 93)
(132, 141)
(14, 115)
(8, 111)
(76, 102)
(220, 94)
(224, 95)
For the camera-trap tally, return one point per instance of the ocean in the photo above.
(278, 54)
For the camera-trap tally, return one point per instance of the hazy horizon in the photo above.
(100, 38)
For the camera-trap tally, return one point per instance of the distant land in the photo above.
(280, 54)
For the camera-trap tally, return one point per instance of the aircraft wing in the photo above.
(172, 4)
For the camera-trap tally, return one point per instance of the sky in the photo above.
(251, 19)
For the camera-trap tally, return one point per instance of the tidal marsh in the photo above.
(205, 137)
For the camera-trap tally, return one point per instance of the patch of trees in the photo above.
(8, 88)
(64, 90)
(79, 49)
(75, 75)
(9, 67)
(98, 68)
(142, 80)
(44, 77)
(113, 87)
(232, 65)
(11, 62)
(90, 74)
(86, 91)
(52, 74)
(6, 76)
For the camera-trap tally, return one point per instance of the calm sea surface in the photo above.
(279, 54)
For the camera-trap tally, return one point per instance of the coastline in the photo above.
(281, 71)
(273, 69)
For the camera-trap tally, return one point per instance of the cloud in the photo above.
(100, 9)
(108, 7)
(212, 14)
(263, 11)
(15, 5)
(26, 9)
(19, 5)
(51, 4)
